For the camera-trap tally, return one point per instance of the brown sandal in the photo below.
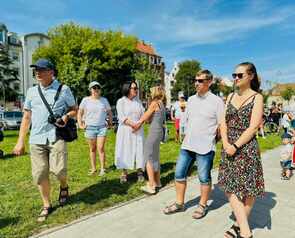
(200, 212)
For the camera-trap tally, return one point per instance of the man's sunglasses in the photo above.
(200, 80)
(239, 75)
(95, 87)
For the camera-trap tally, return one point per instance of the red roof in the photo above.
(144, 48)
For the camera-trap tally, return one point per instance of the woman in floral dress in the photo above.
(240, 171)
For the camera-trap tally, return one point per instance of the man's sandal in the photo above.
(200, 212)
(235, 229)
(63, 196)
(45, 211)
(239, 236)
(174, 208)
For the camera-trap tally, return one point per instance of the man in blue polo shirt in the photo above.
(48, 154)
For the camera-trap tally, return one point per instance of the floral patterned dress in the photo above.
(241, 174)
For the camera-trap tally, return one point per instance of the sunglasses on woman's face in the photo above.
(239, 75)
(135, 88)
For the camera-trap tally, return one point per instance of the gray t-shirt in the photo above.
(95, 111)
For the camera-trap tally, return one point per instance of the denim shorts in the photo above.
(92, 132)
(286, 164)
(204, 165)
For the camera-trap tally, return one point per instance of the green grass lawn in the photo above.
(20, 201)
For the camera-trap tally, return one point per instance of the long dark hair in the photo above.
(126, 87)
(255, 83)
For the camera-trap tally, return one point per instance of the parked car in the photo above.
(11, 120)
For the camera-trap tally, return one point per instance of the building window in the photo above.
(12, 40)
(14, 55)
(1, 36)
(16, 86)
(151, 59)
(156, 60)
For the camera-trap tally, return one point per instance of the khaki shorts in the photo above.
(49, 158)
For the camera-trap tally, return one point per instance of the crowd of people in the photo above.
(198, 123)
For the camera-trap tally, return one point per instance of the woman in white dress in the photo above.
(130, 139)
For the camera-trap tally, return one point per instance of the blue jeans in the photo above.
(204, 164)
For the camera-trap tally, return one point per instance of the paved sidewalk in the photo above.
(272, 217)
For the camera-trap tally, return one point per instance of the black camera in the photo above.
(53, 119)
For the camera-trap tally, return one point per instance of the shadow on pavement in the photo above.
(261, 213)
(217, 197)
(260, 216)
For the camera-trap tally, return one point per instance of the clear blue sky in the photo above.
(220, 34)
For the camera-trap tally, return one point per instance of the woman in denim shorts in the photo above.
(92, 116)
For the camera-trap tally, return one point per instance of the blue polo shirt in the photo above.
(41, 130)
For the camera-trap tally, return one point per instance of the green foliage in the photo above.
(146, 75)
(8, 75)
(82, 54)
(265, 96)
(185, 78)
(288, 93)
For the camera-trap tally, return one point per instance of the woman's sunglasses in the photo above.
(239, 75)
(135, 88)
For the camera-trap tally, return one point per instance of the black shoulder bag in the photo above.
(67, 133)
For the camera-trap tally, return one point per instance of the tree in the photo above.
(146, 75)
(82, 54)
(185, 78)
(8, 75)
(287, 94)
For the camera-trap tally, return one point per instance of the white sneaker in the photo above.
(148, 190)
(102, 172)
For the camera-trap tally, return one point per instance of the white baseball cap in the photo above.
(94, 83)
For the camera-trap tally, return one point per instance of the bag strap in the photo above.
(45, 101)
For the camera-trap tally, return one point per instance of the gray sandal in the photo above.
(200, 212)
(174, 208)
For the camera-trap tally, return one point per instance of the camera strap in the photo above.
(45, 101)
